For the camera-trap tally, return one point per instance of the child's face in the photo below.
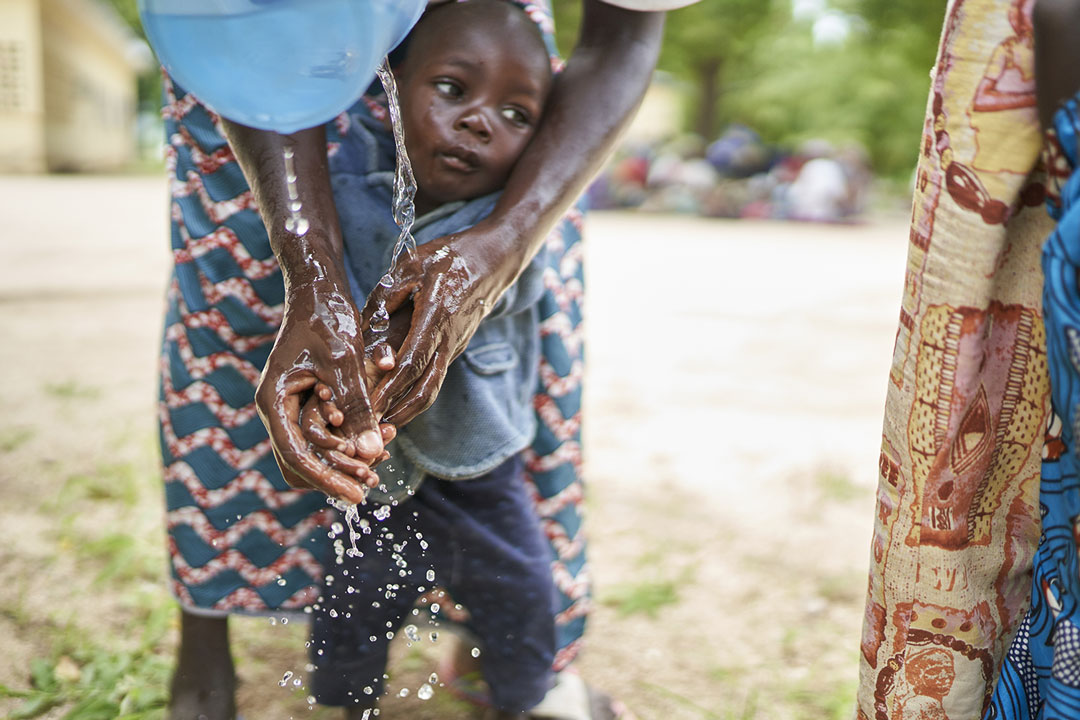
(469, 107)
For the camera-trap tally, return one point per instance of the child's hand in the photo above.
(320, 417)
(319, 422)
(380, 349)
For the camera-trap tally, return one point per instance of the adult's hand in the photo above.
(450, 294)
(456, 280)
(319, 340)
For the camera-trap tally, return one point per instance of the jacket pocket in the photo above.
(491, 358)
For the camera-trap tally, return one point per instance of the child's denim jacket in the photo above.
(483, 414)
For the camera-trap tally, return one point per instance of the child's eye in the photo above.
(516, 116)
(448, 88)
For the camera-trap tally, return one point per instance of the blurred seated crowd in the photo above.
(736, 176)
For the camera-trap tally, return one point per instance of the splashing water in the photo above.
(404, 192)
(285, 680)
(425, 692)
(296, 223)
(352, 515)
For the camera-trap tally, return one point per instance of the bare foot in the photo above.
(204, 682)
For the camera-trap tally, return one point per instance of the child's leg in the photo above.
(502, 574)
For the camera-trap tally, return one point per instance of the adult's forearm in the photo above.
(592, 101)
(316, 253)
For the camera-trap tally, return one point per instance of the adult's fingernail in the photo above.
(368, 443)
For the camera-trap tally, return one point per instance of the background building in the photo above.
(68, 73)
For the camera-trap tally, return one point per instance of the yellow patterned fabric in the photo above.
(956, 512)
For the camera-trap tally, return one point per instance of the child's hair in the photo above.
(510, 21)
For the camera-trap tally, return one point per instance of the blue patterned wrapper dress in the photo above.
(240, 539)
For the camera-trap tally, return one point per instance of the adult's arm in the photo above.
(454, 281)
(319, 339)
(1057, 55)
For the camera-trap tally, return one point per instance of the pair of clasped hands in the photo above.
(334, 392)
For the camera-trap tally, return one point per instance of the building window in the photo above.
(11, 71)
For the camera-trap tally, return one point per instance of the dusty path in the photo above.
(733, 412)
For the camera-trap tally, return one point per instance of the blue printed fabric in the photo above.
(240, 540)
(1040, 678)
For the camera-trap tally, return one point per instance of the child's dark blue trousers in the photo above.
(483, 542)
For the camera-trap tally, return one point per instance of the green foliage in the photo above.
(750, 62)
(71, 390)
(91, 682)
(13, 438)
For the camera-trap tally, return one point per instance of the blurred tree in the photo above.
(705, 44)
(149, 82)
(753, 62)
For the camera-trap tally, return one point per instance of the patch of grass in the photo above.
(646, 597)
(94, 682)
(11, 439)
(71, 390)
(817, 700)
(842, 588)
(726, 675)
(834, 486)
(747, 712)
(109, 481)
(124, 558)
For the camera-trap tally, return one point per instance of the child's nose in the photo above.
(475, 122)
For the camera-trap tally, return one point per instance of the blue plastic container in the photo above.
(282, 65)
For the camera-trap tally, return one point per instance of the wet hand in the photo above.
(444, 293)
(320, 342)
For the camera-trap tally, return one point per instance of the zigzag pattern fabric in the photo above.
(1040, 677)
(240, 539)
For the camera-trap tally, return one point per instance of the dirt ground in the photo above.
(737, 372)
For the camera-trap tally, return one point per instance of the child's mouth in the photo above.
(459, 159)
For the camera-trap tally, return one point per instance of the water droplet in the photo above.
(380, 319)
(368, 690)
(430, 576)
(387, 280)
(333, 613)
(337, 528)
(285, 678)
(433, 679)
(284, 621)
(281, 581)
(311, 700)
(434, 607)
(273, 621)
(404, 692)
(412, 633)
(297, 682)
(434, 636)
(425, 692)
(382, 513)
(476, 652)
